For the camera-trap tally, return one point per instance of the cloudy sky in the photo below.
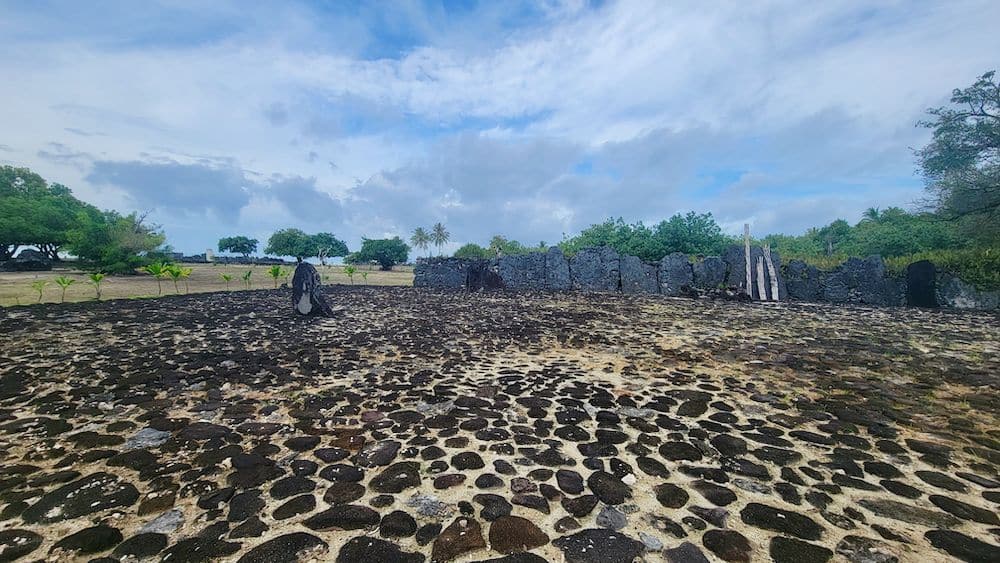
(530, 119)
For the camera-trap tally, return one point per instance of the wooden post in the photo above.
(771, 272)
(760, 279)
(746, 250)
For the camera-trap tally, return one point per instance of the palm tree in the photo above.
(871, 214)
(350, 271)
(39, 286)
(157, 270)
(439, 235)
(174, 272)
(95, 279)
(227, 278)
(64, 283)
(420, 239)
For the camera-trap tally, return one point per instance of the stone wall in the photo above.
(856, 281)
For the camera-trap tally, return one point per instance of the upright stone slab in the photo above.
(709, 272)
(676, 274)
(307, 295)
(955, 293)
(595, 269)
(638, 276)
(557, 276)
(446, 273)
(523, 272)
(863, 282)
(921, 279)
(804, 282)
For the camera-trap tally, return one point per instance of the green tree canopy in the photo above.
(961, 165)
(693, 233)
(327, 246)
(472, 250)
(420, 239)
(387, 252)
(238, 245)
(35, 213)
(115, 244)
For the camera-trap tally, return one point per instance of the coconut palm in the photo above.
(227, 278)
(421, 239)
(364, 276)
(439, 235)
(95, 279)
(185, 274)
(64, 283)
(39, 286)
(157, 270)
(871, 214)
(174, 272)
(277, 272)
(350, 271)
(246, 278)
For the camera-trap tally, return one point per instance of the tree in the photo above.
(115, 244)
(226, 278)
(328, 246)
(277, 272)
(63, 282)
(96, 279)
(290, 242)
(472, 250)
(833, 235)
(238, 245)
(439, 235)
(39, 286)
(158, 270)
(350, 271)
(692, 233)
(174, 271)
(961, 165)
(420, 239)
(35, 213)
(387, 252)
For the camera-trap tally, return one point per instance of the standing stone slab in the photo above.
(921, 278)
(955, 293)
(863, 281)
(307, 295)
(523, 272)
(638, 276)
(445, 273)
(676, 274)
(804, 282)
(709, 272)
(596, 269)
(557, 276)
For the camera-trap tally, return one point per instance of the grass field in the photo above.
(15, 287)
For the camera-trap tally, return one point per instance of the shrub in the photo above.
(977, 266)
(95, 279)
(64, 283)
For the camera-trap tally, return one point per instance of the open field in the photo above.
(15, 287)
(426, 425)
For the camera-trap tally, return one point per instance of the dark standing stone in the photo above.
(803, 280)
(366, 549)
(597, 545)
(638, 276)
(921, 290)
(784, 521)
(557, 276)
(28, 260)
(307, 293)
(446, 273)
(728, 545)
(595, 269)
(709, 273)
(790, 550)
(523, 271)
(480, 275)
(289, 548)
(93, 493)
(676, 274)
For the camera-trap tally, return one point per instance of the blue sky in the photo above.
(528, 119)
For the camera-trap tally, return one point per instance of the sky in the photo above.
(527, 119)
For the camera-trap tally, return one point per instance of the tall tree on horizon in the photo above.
(440, 236)
(420, 239)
